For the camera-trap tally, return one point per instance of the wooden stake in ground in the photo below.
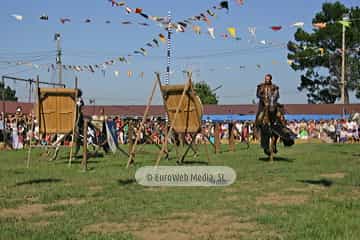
(32, 125)
(132, 152)
(75, 122)
(85, 155)
(217, 138)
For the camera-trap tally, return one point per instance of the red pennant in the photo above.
(276, 28)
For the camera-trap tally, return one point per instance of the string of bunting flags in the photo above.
(132, 74)
(155, 42)
(180, 26)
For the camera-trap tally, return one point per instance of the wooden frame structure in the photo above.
(56, 112)
(184, 110)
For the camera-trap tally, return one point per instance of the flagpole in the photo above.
(343, 81)
(167, 80)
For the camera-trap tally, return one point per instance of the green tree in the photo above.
(204, 92)
(10, 95)
(318, 55)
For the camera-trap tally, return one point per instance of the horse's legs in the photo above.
(271, 149)
(276, 138)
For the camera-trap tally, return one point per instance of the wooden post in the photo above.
(132, 151)
(85, 155)
(130, 136)
(75, 121)
(32, 123)
(217, 138)
(231, 137)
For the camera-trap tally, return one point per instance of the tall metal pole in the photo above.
(343, 81)
(58, 56)
(167, 80)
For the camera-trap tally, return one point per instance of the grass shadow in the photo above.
(321, 182)
(39, 181)
(126, 181)
(277, 159)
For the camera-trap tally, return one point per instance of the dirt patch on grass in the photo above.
(95, 188)
(308, 189)
(41, 224)
(28, 211)
(181, 226)
(71, 201)
(282, 200)
(31, 198)
(333, 175)
(232, 198)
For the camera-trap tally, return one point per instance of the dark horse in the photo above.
(272, 126)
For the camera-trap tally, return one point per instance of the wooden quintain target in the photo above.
(184, 110)
(56, 110)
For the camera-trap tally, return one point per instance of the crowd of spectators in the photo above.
(17, 130)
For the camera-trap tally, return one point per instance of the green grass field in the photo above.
(312, 191)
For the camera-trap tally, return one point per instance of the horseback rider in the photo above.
(272, 113)
(268, 93)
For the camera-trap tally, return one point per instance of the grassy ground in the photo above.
(312, 191)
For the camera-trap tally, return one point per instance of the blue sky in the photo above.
(95, 43)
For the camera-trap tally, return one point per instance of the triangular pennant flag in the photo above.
(240, 2)
(138, 52)
(138, 10)
(211, 32)
(17, 17)
(143, 50)
(120, 4)
(88, 20)
(224, 4)
(44, 17)
(298, 24)
(210, 13)
(144, 15)
(225, 36)
(180, 28)
(276, 28)
(116, 73)
(129, 73)
(197, 29)
(345, 23)
(64, 20)
(122, 59)
(232, 32)
(182, 24)
(319, 25)
(128, 10)
(156, 42)
(162, 38)
(252, 31)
